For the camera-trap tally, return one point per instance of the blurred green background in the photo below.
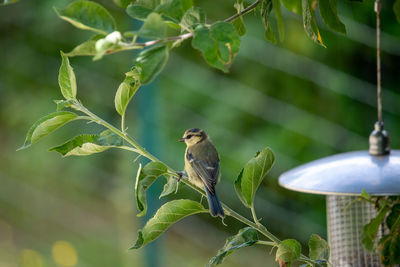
(302, 100)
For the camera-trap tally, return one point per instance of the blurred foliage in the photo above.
(300, 99)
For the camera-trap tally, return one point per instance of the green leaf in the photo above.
(88, 144)
(278, 15)
(396, 9)
(153, 27)
(244, 238)
(87, 48)
(224, 33)
(46, 125)
(266, 7)
(203, 41)
(238, 184)
(328, 10)
(66, 78)
(192, 18)
(219, 44)
(239, 26)
(186, 4)
(170, 187)
(171, 10)
(393, 219)
(389, 248)
(270, 35)
(151, 61)
(138, 12)
(168, 214)
(370, 230)
(88, 15)
(288, 251)
(239, 23)
(252, 175)
(140, 9)
(122, 3)
(293, 6)
(319, 248)
(310, 26)
(365, 195)
(144, 179)
(7, 2)
(127, 90)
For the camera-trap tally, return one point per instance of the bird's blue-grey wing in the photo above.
(207, 170)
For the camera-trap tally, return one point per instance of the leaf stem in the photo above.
(123, 123)
(253, 213)
(266, 243)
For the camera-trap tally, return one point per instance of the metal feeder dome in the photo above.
(342, 178)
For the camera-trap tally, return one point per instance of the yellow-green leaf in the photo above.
(88, 15)
(144, 179)
(88, 144)
(293, 6)
(127, 90)
(289, 250)
(66, 78)
(328, 11)
(396, 9)
(318, 248)
(266, 7)
(168, 214)
(252, 175)
(153, 27)
(46, 125)
(278, 15)
(151, 61)
(244, 238)
(170, 187)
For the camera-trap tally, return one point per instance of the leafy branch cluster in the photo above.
(388, 221)
(70, 109)
(165, 25)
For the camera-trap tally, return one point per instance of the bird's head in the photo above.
(193, 136)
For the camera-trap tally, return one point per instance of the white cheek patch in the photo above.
(210, 168)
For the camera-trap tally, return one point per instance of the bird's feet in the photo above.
(180, 175)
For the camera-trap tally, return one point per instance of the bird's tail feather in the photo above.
(214, 204)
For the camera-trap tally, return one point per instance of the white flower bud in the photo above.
(114, 37)
(102, 45)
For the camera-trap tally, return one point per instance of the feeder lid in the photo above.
(347, 174)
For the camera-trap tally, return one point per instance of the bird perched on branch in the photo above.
(202, 166)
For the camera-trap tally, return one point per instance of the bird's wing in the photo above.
(207, 170)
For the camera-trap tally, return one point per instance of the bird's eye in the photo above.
(189, 136)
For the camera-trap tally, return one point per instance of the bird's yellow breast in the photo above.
(192, 175)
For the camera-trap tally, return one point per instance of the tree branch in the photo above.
(140, 150)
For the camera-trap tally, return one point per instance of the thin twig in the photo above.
(244, 11)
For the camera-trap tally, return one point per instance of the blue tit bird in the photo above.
(202, 166)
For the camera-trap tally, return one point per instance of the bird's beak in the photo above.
(182, 139)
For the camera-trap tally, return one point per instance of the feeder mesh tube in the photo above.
(344, 232)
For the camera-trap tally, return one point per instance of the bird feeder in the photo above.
(342, 178)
